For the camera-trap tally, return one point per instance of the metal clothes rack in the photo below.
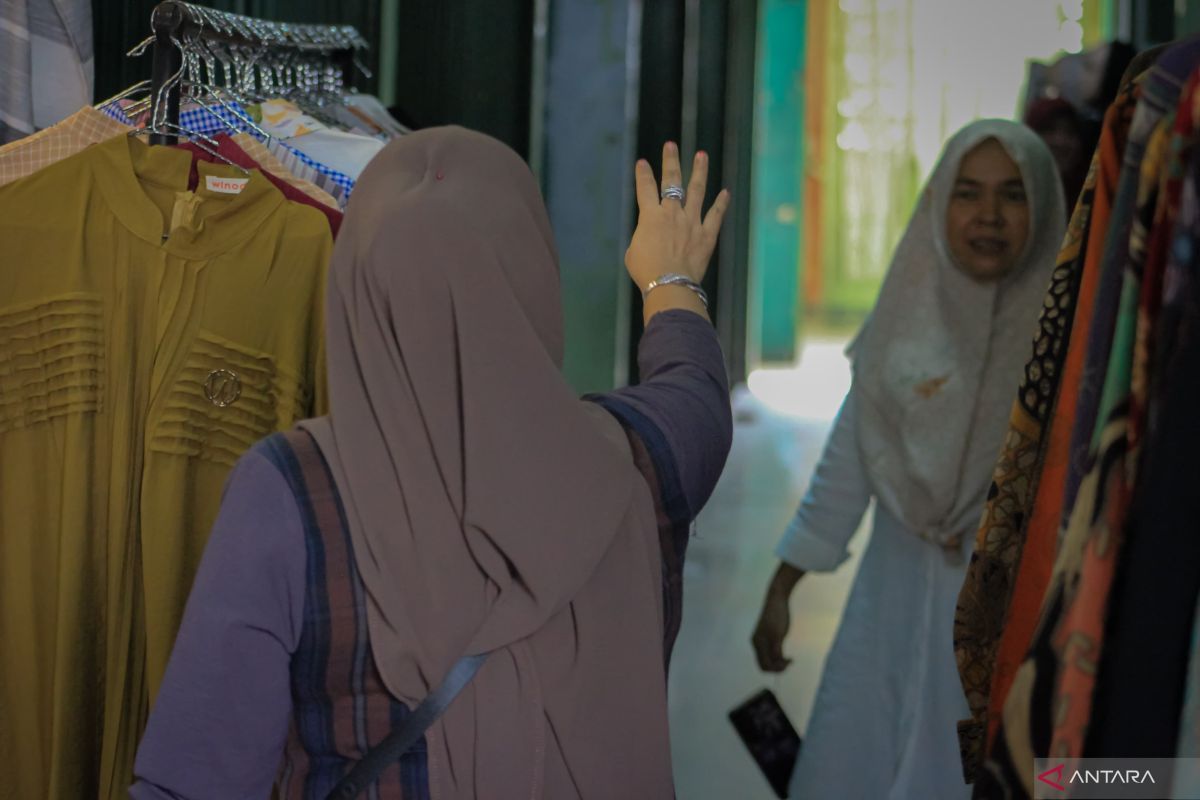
(174, 22)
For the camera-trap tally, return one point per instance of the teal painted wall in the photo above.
(778, 214)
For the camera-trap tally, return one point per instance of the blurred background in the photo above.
(824, 118)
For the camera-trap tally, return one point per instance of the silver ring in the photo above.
(674, 193)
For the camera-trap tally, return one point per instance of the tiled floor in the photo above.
(781, 428)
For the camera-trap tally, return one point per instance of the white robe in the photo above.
(884, 724)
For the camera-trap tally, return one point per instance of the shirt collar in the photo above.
(223, 221)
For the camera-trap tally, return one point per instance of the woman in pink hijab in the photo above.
(464, 560)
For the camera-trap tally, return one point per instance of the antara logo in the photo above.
(1057, 774)
(1054, 777)
(1113, 776)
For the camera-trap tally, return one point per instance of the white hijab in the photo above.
(937, 363)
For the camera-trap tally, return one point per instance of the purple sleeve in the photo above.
(220, 721)
(680, 409)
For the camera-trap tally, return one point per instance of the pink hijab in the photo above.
(491, 510)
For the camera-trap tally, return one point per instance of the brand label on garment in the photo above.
(1116, 778)
(225, 185)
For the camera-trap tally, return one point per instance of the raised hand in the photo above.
(672, 236)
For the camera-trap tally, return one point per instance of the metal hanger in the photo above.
(159, 124)
(230, 60)
(125, 94)
(200, 58)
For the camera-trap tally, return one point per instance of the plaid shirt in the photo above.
(198, 118)
(215, 119)
(83, 128)
(115, 112)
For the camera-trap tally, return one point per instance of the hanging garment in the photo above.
(288, 123)
(377, 111)
(1002, 594)
(283, 119)
(347, 153)
(352, 120)
(138, 370)
(358, 113)
(930, 480)
(1169, 502)
(116, 112)
(1149, 341)
(1031, 720)
(85, 127)
(1154, 594)
(1163, 87)
(219, 119)
(335, 183)
(982, 604)
(1080, 638)
(214, 118)
(215, 122)
(227, 149)
(1180, 312)
(1168, 505)
(45, 63)
(258, 151)
(1153, 103)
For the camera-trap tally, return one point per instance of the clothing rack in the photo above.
(174, 22)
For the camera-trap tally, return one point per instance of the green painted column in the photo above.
(1187, 18)
(778, 220)
(590, 131)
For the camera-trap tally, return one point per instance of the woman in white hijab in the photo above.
(935, 368)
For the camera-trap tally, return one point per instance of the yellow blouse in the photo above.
(148, 336)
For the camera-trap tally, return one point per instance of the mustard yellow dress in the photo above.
(148, 336)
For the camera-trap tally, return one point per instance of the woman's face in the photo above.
(987, 220)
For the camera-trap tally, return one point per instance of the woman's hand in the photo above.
(672, 237)
(775, 620)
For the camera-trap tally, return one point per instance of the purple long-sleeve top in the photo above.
(220, 721)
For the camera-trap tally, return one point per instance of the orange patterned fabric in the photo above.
(1047, 710)
(995, 590)
(1041, 537)
(85, 127)
(1080, 636)
(987, 587)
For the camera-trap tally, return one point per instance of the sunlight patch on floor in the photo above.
(812, 389)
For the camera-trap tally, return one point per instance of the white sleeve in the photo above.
(833, 507)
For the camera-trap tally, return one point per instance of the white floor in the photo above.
(782, 421)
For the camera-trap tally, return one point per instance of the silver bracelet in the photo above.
(676, 279)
